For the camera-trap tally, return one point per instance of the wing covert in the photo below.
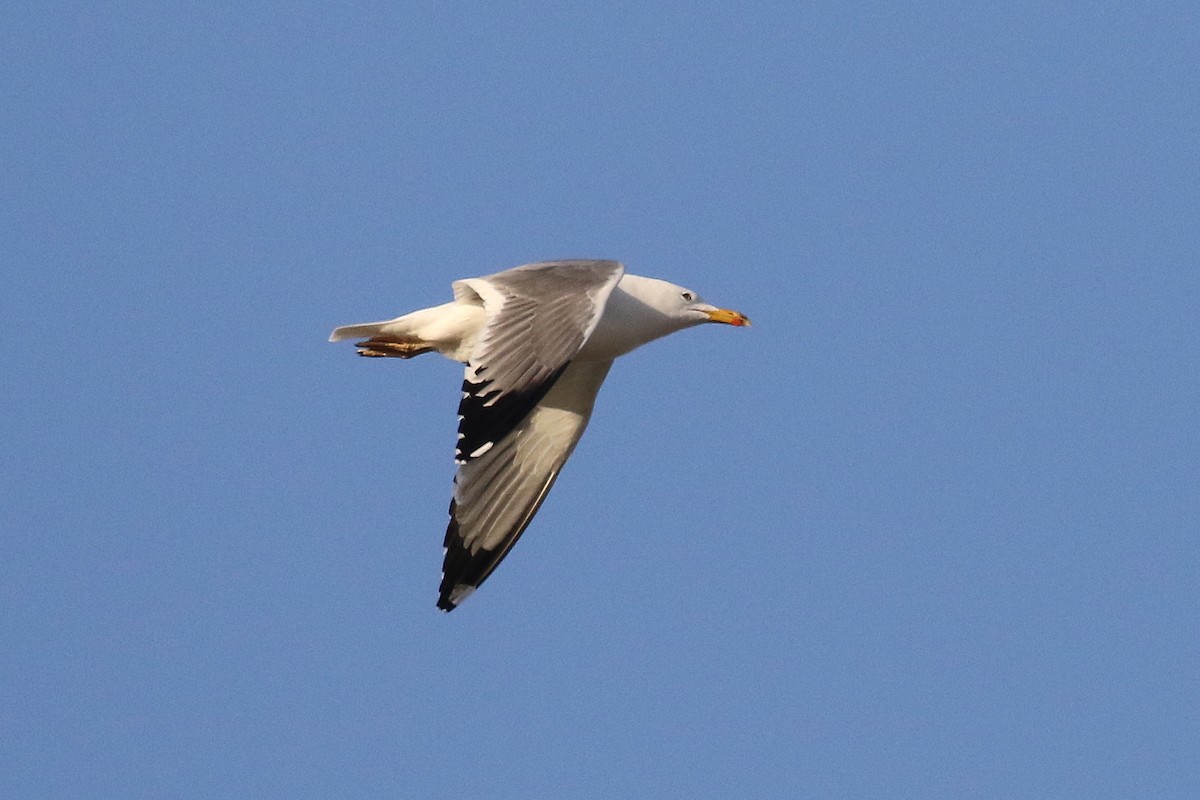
(538, 318)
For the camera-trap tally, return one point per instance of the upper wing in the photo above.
(497, 493)
(538, 317)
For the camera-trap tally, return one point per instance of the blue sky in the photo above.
(927, 530)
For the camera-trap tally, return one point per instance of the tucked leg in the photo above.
(384, 347)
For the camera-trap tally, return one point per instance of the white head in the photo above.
(682, 307)
(643, 309)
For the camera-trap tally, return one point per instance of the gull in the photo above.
(537, 341)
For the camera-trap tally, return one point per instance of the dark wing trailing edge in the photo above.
(523, 408)
(539, 316)
(486, 415)
(497, 494)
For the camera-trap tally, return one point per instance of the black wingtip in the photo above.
(445, 596)
(445, 593)
(451, 596)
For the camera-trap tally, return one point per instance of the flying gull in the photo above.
(538, 341)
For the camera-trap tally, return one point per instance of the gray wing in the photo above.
(538, 317)
(497, 493)
(524, 406)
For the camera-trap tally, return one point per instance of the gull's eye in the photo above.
(688, 297)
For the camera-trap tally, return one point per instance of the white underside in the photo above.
(453, 328)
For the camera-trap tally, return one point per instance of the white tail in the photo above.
(367, 329)
(450, 329)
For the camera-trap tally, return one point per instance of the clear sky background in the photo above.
(929, 529)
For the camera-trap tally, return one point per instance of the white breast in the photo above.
(633, 317)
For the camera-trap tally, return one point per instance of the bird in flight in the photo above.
(537, 341)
